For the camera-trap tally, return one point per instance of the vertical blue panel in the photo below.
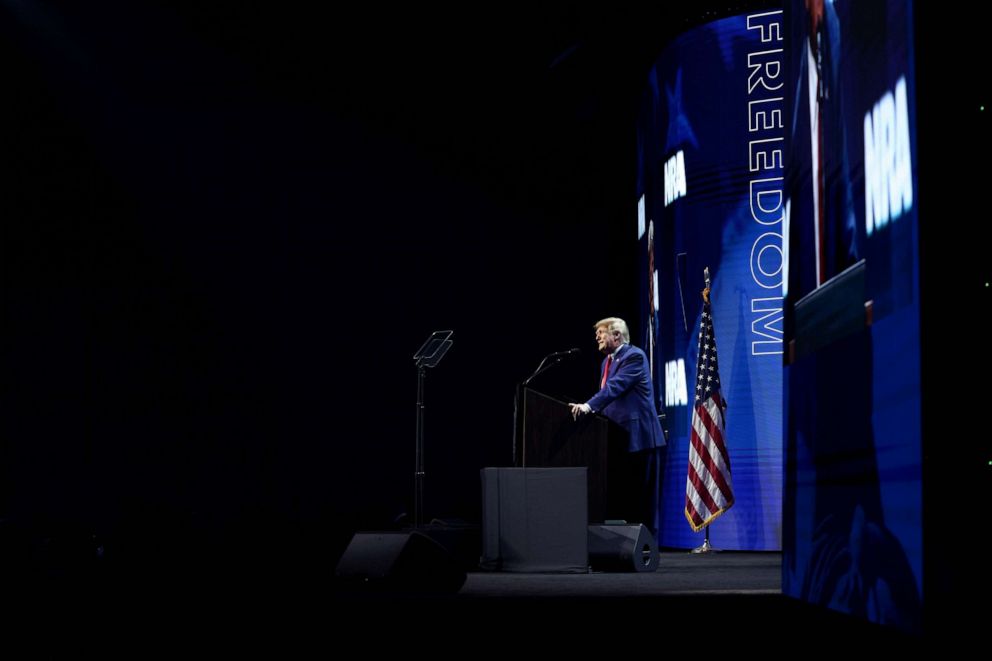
(711, 135)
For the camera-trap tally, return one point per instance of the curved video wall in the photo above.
(778, 150)
(710, 141)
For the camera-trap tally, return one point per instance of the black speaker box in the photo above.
(398, 562)
(622, 548)
(534, 519)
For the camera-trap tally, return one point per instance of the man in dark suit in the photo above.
(626, 396)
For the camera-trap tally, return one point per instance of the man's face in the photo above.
(607, 340)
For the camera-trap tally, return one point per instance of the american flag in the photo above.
(709, 491)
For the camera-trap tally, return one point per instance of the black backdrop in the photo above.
(227, 226)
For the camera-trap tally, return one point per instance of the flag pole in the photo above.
(706, 547)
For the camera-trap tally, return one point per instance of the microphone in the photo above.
(544, 366)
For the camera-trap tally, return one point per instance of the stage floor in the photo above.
(730, 599)
(678, 573)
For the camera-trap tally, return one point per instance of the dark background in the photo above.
(227, 226)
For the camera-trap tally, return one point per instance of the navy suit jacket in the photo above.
(628, 399)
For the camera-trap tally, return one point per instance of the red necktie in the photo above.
(606, 371)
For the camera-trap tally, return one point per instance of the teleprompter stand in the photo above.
(428, 355)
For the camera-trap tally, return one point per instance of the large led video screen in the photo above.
(852, 532)
(710, 187)
(778, 149)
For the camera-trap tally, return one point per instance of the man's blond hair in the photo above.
(615, 324)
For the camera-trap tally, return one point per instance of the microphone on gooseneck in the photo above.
(555, 358)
